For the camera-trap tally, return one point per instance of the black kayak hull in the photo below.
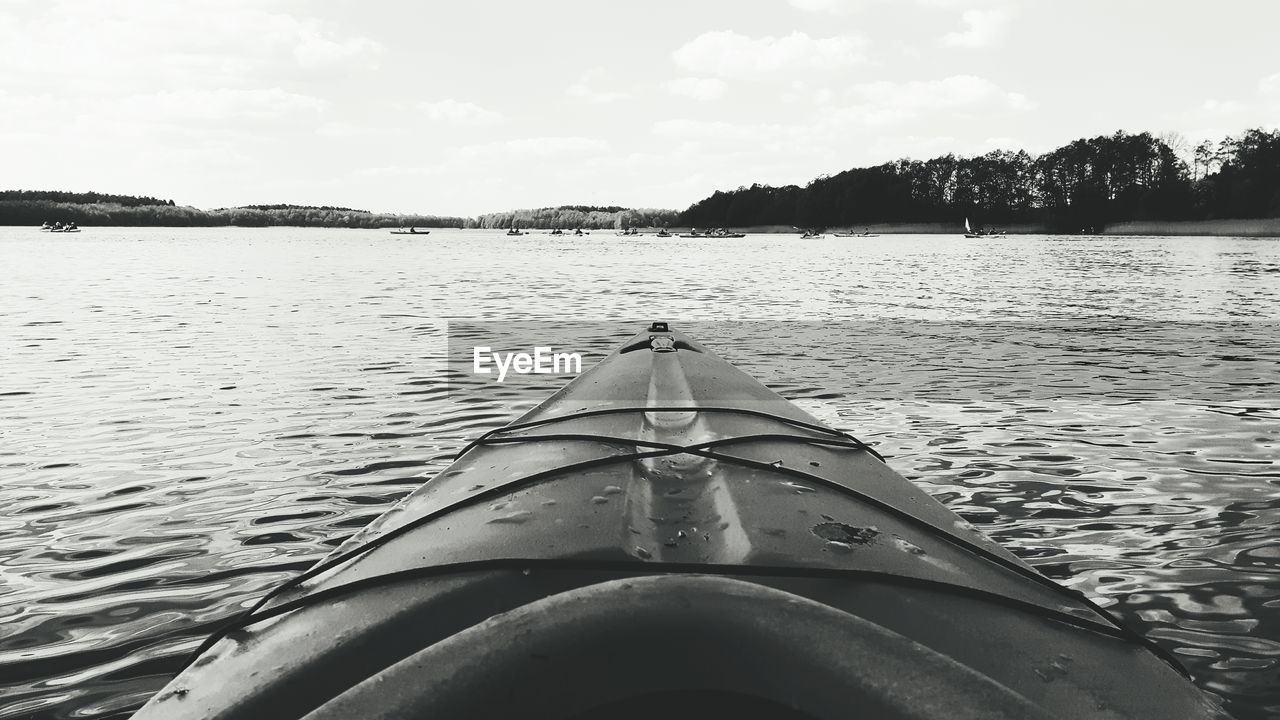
(666, 524)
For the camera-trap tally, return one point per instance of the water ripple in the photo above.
(190, 417)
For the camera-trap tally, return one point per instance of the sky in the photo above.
(465, 108)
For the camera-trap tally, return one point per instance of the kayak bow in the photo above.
(667, 535)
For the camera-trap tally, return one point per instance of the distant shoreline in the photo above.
(1241, 227)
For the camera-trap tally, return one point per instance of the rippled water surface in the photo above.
(188, 417)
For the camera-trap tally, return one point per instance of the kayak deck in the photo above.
(665, 475)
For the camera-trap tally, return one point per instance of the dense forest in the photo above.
(1085, 184)
(19, 196)
(30, 207)
(578, 216)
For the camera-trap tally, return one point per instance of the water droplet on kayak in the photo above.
(642, 553)
(837, 547)
(724, 525)
(845, 534)
(599, 499)
(796, 487)
(674, 491)
(474, 488)
(813, 463)
(526, 572)
(774, 532)
(548, 502)
(497, 507)
(907, 546)
(776, 463)
(611, 490)
(514, 518)
(680, 534)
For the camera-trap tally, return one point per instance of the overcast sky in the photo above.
(463, 108)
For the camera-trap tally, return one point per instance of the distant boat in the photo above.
(410, 231)
(662, 233)
(514, 230)
(722, 233)
(864, 233)
(969, 231)
(556, 231)
(812, 236)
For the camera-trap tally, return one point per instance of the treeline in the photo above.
(578, 216)
(1086, 183)
(58, 196)
(34, 211)
(302, 207)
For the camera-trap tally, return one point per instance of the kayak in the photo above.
(410, 232)
(667, 537)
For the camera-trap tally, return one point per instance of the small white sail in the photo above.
(966, 226)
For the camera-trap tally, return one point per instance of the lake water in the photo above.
(190, 416)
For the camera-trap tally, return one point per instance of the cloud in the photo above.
(583, 89)
(887, 102)
(316, 50)
(982, 27)
(212, 106)
(338, 130)
(458, 112)
(960, 4)
(832, 7)
(535, 146)
(710, 130)
(729, 54)
(800, 91)
(105, 48)
(697, 88)
(1269, 87)
(1223, 107)
(1215, 117)
(873, 121)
